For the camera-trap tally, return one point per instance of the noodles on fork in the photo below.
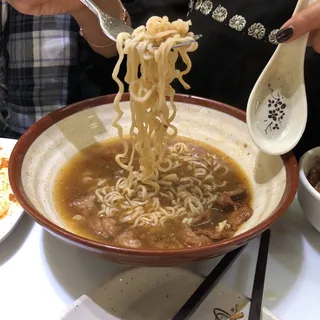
(150, 72)
(151, 69)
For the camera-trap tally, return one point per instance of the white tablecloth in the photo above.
(40, 275)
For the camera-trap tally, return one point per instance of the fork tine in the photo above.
(187, 43)
(197, 37)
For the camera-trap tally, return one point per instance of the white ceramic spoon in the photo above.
(277, 107)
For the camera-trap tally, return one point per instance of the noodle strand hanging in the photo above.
(151, 69)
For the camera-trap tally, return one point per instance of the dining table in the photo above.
(41, 275)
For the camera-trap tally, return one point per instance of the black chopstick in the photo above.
(207, 285)
(259, 277)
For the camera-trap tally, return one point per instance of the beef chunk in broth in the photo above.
(215, 234)
(230, 200)
(226, 229)
(129, 239)
(239, 216)
(192, 239)
(224, 202)
(105, 227)
(84, 205)
(239, 194)
(158, 239)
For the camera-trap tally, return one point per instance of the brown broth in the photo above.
(71, 194)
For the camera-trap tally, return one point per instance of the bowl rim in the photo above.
(31, 134)
(302, 175)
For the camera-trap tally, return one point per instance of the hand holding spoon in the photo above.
(277, 107)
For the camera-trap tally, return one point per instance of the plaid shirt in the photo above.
(36, 56)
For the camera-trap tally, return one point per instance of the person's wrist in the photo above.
(81, 15)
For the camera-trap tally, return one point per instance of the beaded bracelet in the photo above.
(124, 18)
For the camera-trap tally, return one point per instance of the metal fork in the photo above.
(111, 26)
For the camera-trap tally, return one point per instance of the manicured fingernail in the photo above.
(284, 34)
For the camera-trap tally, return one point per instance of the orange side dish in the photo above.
(7, 197)
(3, 213)
(4, 163)
(12, 197)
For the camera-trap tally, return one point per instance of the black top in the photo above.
(238, 40)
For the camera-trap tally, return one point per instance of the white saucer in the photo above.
(15, 211)
(156, 294)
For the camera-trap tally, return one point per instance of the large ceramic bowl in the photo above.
(49, 143)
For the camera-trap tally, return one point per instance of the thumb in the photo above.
(303, 22)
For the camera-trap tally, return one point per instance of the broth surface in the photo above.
(76, 202)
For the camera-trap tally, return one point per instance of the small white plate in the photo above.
(156, 294)
(15, 211)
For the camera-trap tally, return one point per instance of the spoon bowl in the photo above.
(277, 108)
